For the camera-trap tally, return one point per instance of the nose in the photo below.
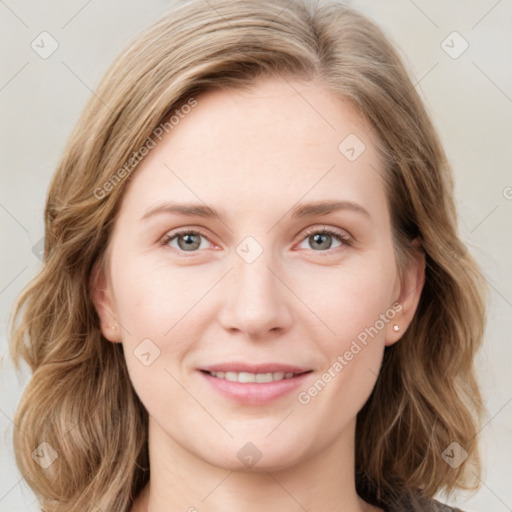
(256, 302)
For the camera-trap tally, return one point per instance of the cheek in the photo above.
(358, 309)
(152, 299)
(152, 305)
(350, 298)
(354, 303)
(358, 313)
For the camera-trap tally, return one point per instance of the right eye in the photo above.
(187, 240)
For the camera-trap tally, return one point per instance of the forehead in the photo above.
(262, 148)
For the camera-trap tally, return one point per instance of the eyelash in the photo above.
(344, 239)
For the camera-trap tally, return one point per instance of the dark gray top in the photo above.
(405, 500)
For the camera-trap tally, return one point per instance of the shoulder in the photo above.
(417, 502)
(441, 507)
(400, 498)
(408, 500)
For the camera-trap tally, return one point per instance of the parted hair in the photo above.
(80, 399)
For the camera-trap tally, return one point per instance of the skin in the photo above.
(253, 156)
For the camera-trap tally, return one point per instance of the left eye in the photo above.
(190, 240)
(322, 238)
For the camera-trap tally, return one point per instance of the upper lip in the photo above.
(254, 368)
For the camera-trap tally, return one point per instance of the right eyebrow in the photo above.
(189, 210)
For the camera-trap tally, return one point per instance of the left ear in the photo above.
(408, 296)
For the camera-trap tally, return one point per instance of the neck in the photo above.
(182, 481)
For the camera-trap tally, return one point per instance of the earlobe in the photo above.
(409, 295)
(102, 298)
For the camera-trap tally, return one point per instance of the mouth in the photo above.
(254, 384)
(260, 378)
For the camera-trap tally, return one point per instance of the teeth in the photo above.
(252, 377)
(264, 377)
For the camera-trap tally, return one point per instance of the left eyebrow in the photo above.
(326, 207)
(298, 212)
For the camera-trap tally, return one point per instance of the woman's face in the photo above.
(218, 263)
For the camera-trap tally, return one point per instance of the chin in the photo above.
(259, 454)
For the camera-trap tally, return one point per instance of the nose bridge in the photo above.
(255, 302)
(254, 279)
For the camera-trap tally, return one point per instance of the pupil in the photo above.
(318, 238)
(188, 241)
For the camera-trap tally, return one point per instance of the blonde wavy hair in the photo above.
(80, 399)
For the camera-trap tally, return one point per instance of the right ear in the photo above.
(103, 300)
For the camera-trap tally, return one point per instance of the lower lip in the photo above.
(253, 393)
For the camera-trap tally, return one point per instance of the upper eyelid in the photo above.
(328, 229)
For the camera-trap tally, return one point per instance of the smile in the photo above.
(261, 378)
(257, 387)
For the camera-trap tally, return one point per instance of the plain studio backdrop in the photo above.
(459, 53)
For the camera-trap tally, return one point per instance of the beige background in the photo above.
(470, 98)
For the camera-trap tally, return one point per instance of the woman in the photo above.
(253, 294)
